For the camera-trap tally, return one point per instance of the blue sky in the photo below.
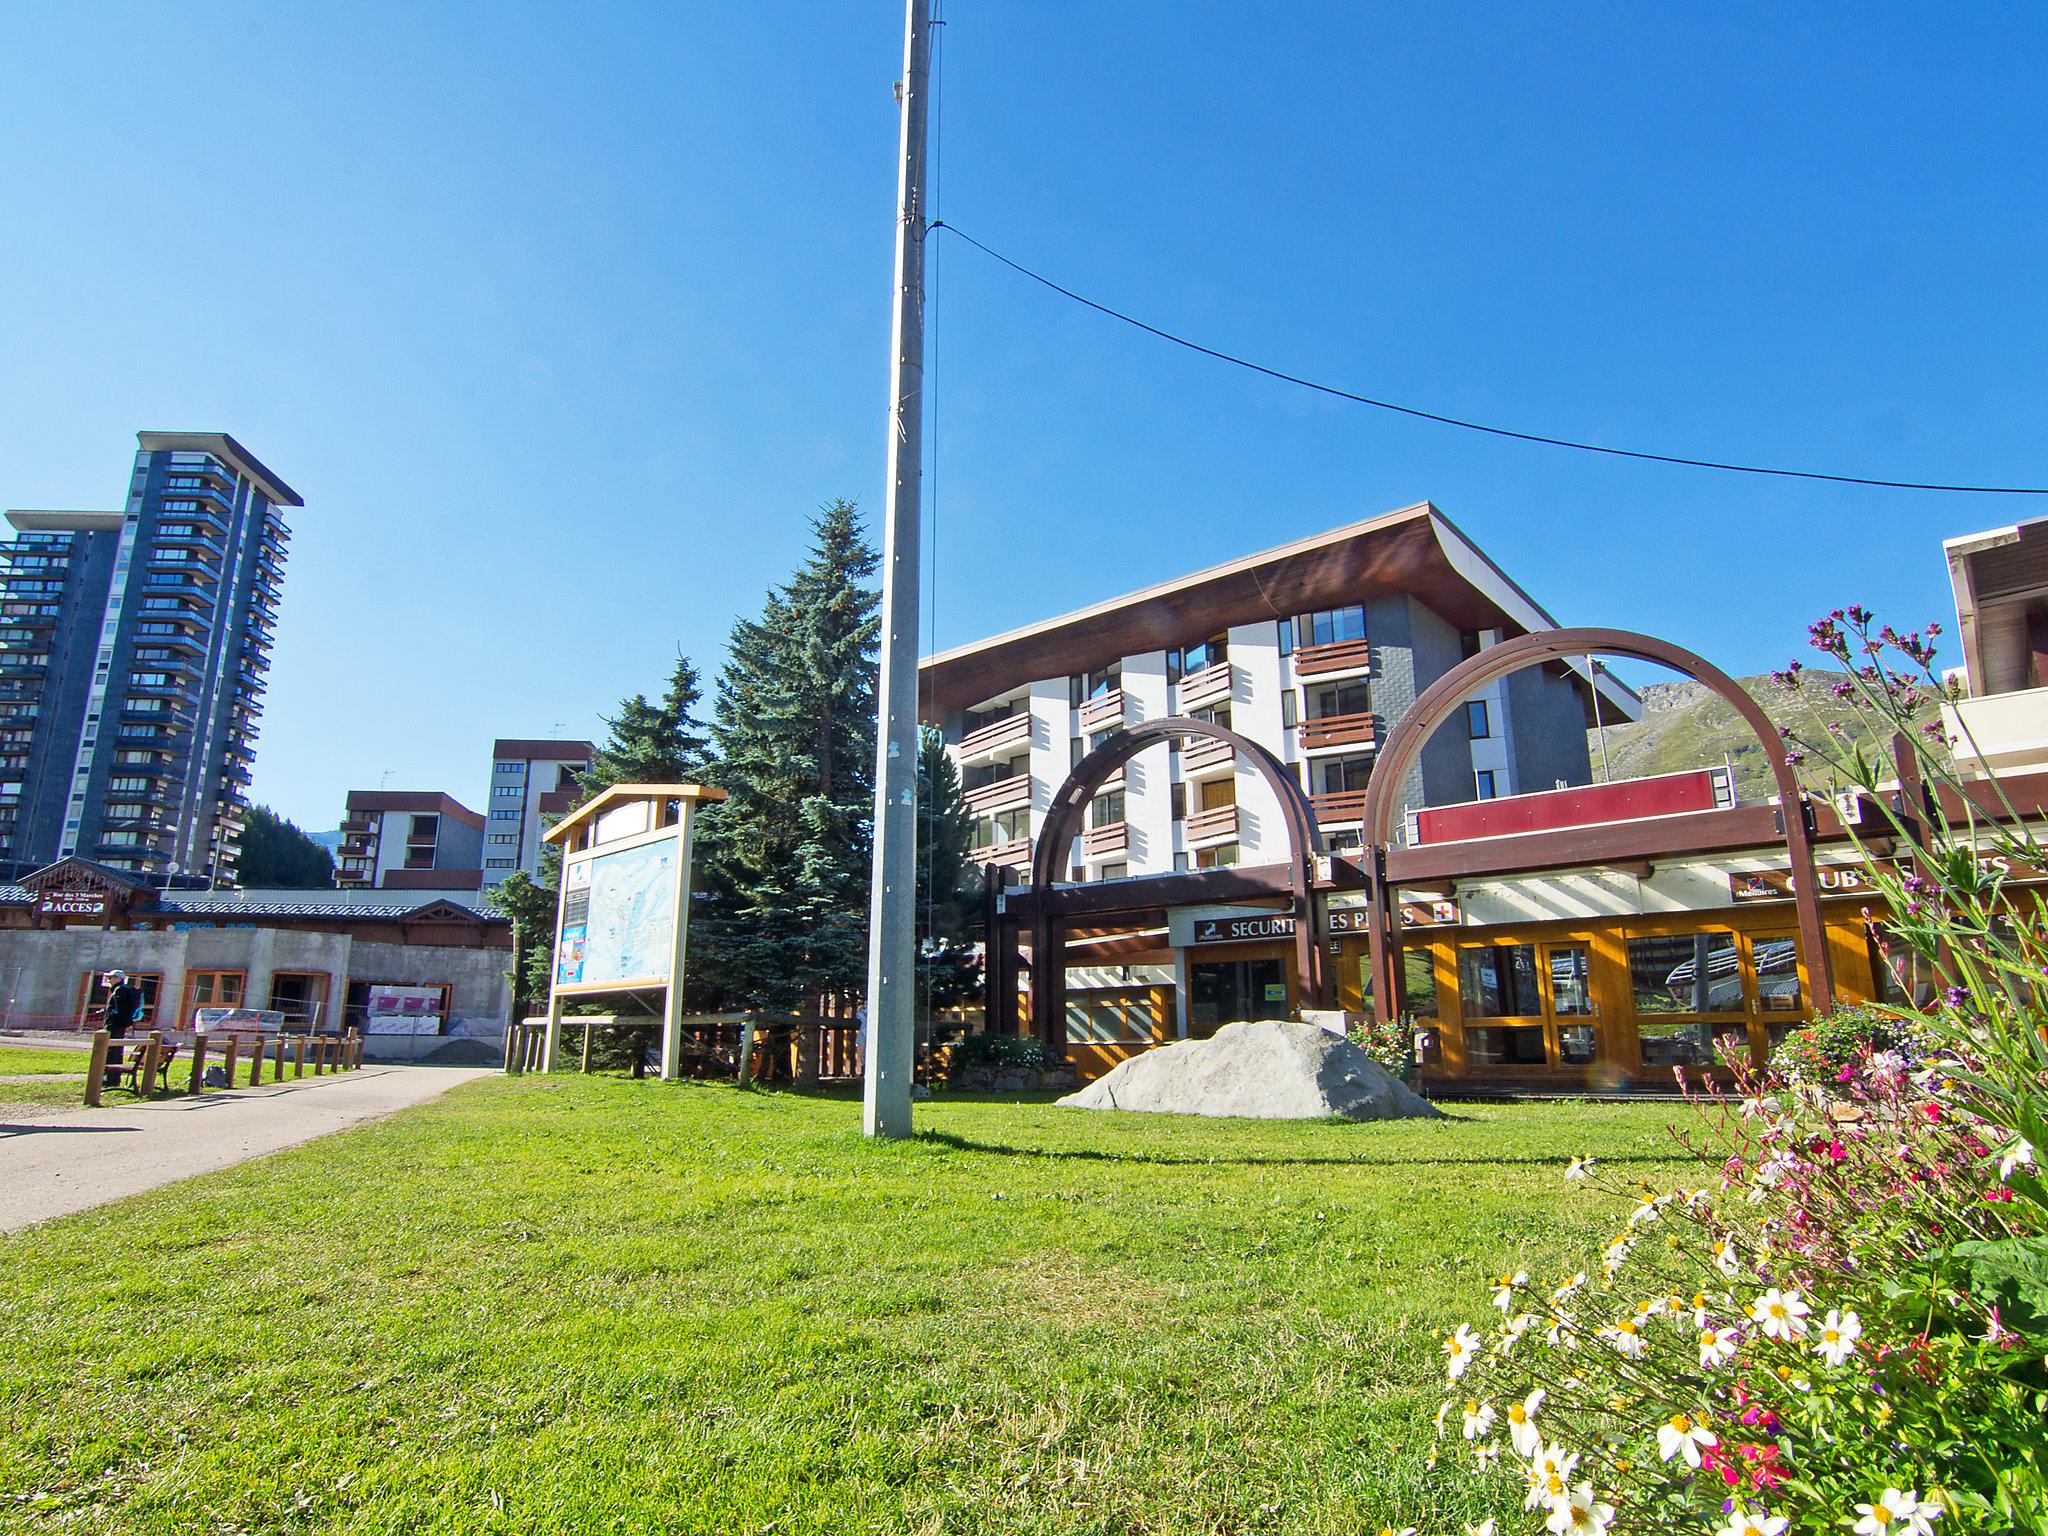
(563, 321)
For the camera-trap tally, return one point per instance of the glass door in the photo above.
(1568, 994)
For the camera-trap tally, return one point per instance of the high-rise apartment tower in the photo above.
(133, 650)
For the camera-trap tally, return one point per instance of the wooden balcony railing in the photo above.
(1338, 656)
(1103, 712)
(1101, 842)
(1211, 685)
(1008, 794)
(1337, 731)
(1339, 807)
(1003, 855)
(1212, 826)
(1008, 734)
(1205, 754)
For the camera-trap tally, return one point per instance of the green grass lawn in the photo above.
(562, 1304)
(18, 1060)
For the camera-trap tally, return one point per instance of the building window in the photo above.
(1116, 872)
(1476, 723)
(499, 863)
(1076, 750)
(1331, 626)
(511, 767)
(504, 815)
(211, 989)
(1106, 810)
(1289, 711)
(1483, 782)
(1335, 699)
(1193, 658)
(506, 791)
(1100, 683)
(1286, 629)
(92, 997)
(1470, 644)
(1180, 863)
(1222, 856)
(1341, 775)
(1180, 802)
(501, 839)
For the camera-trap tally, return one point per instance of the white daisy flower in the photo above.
(1646, 1210)
(1459, 1348)
(1483, 1528)
(1564, 1292)
(1781, 1315)
(1717, 1347)
(1578, 1513)
(1486, 1455)
(1625, 1338)
(1895, 1507)
(1504, 1290)
(1839, 1332)
(1549, 1474)
(1522, 1431)
(1726, 1258)
(2019, 1155)
(1683, 1435)
(1478, 1419)
(1512, 1330)
(1581, 1168)
(1743, 1523)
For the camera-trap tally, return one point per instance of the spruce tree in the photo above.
(794, 730)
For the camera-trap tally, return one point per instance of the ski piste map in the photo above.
(624, 927)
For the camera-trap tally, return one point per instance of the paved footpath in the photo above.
(56, 1162)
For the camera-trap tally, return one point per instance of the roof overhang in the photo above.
(618, 794)
(229, 452)
(1415, 550)
(30, 520)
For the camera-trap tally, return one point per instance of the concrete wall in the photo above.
(41, 971)
(1546, 732)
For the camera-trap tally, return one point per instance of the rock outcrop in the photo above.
(1264, 1071)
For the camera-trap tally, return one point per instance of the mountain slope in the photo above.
(1684, 726)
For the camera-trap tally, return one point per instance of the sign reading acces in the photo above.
(72, 904)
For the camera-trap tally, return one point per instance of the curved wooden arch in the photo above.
(1442, 698)
(1063, 823)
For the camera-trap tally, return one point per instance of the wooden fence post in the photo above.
(96, 1078)
(227, 1057)
(199, 1061)
(299, 1057)
(277, 1076)
(152, 1056)
(256, 1062)
(319, 1054)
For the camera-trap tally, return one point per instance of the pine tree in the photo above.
(645, 743)
(277, 854)
(790, 848)
(949, 888)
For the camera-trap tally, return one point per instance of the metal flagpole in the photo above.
(892, 909)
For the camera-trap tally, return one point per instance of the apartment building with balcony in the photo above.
(409, 840)
(134, 648)
(1998, 723)
(532, 782)
(1313, 650)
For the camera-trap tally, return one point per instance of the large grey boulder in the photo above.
(1271, 1070)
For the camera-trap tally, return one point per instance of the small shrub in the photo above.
(1842, 1044)
(988, 1051)
(1391, 1044)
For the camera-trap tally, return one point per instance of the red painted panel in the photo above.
(1667, 794)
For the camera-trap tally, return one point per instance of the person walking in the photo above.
(121, 1013)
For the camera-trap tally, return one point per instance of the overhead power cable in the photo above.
(1472, 426)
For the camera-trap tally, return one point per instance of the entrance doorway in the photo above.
(1232, 991)
(1528, 1005)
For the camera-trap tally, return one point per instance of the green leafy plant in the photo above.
(1391, 1044)
(1842, 1322)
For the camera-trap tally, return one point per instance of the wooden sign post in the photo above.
(625, 904)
